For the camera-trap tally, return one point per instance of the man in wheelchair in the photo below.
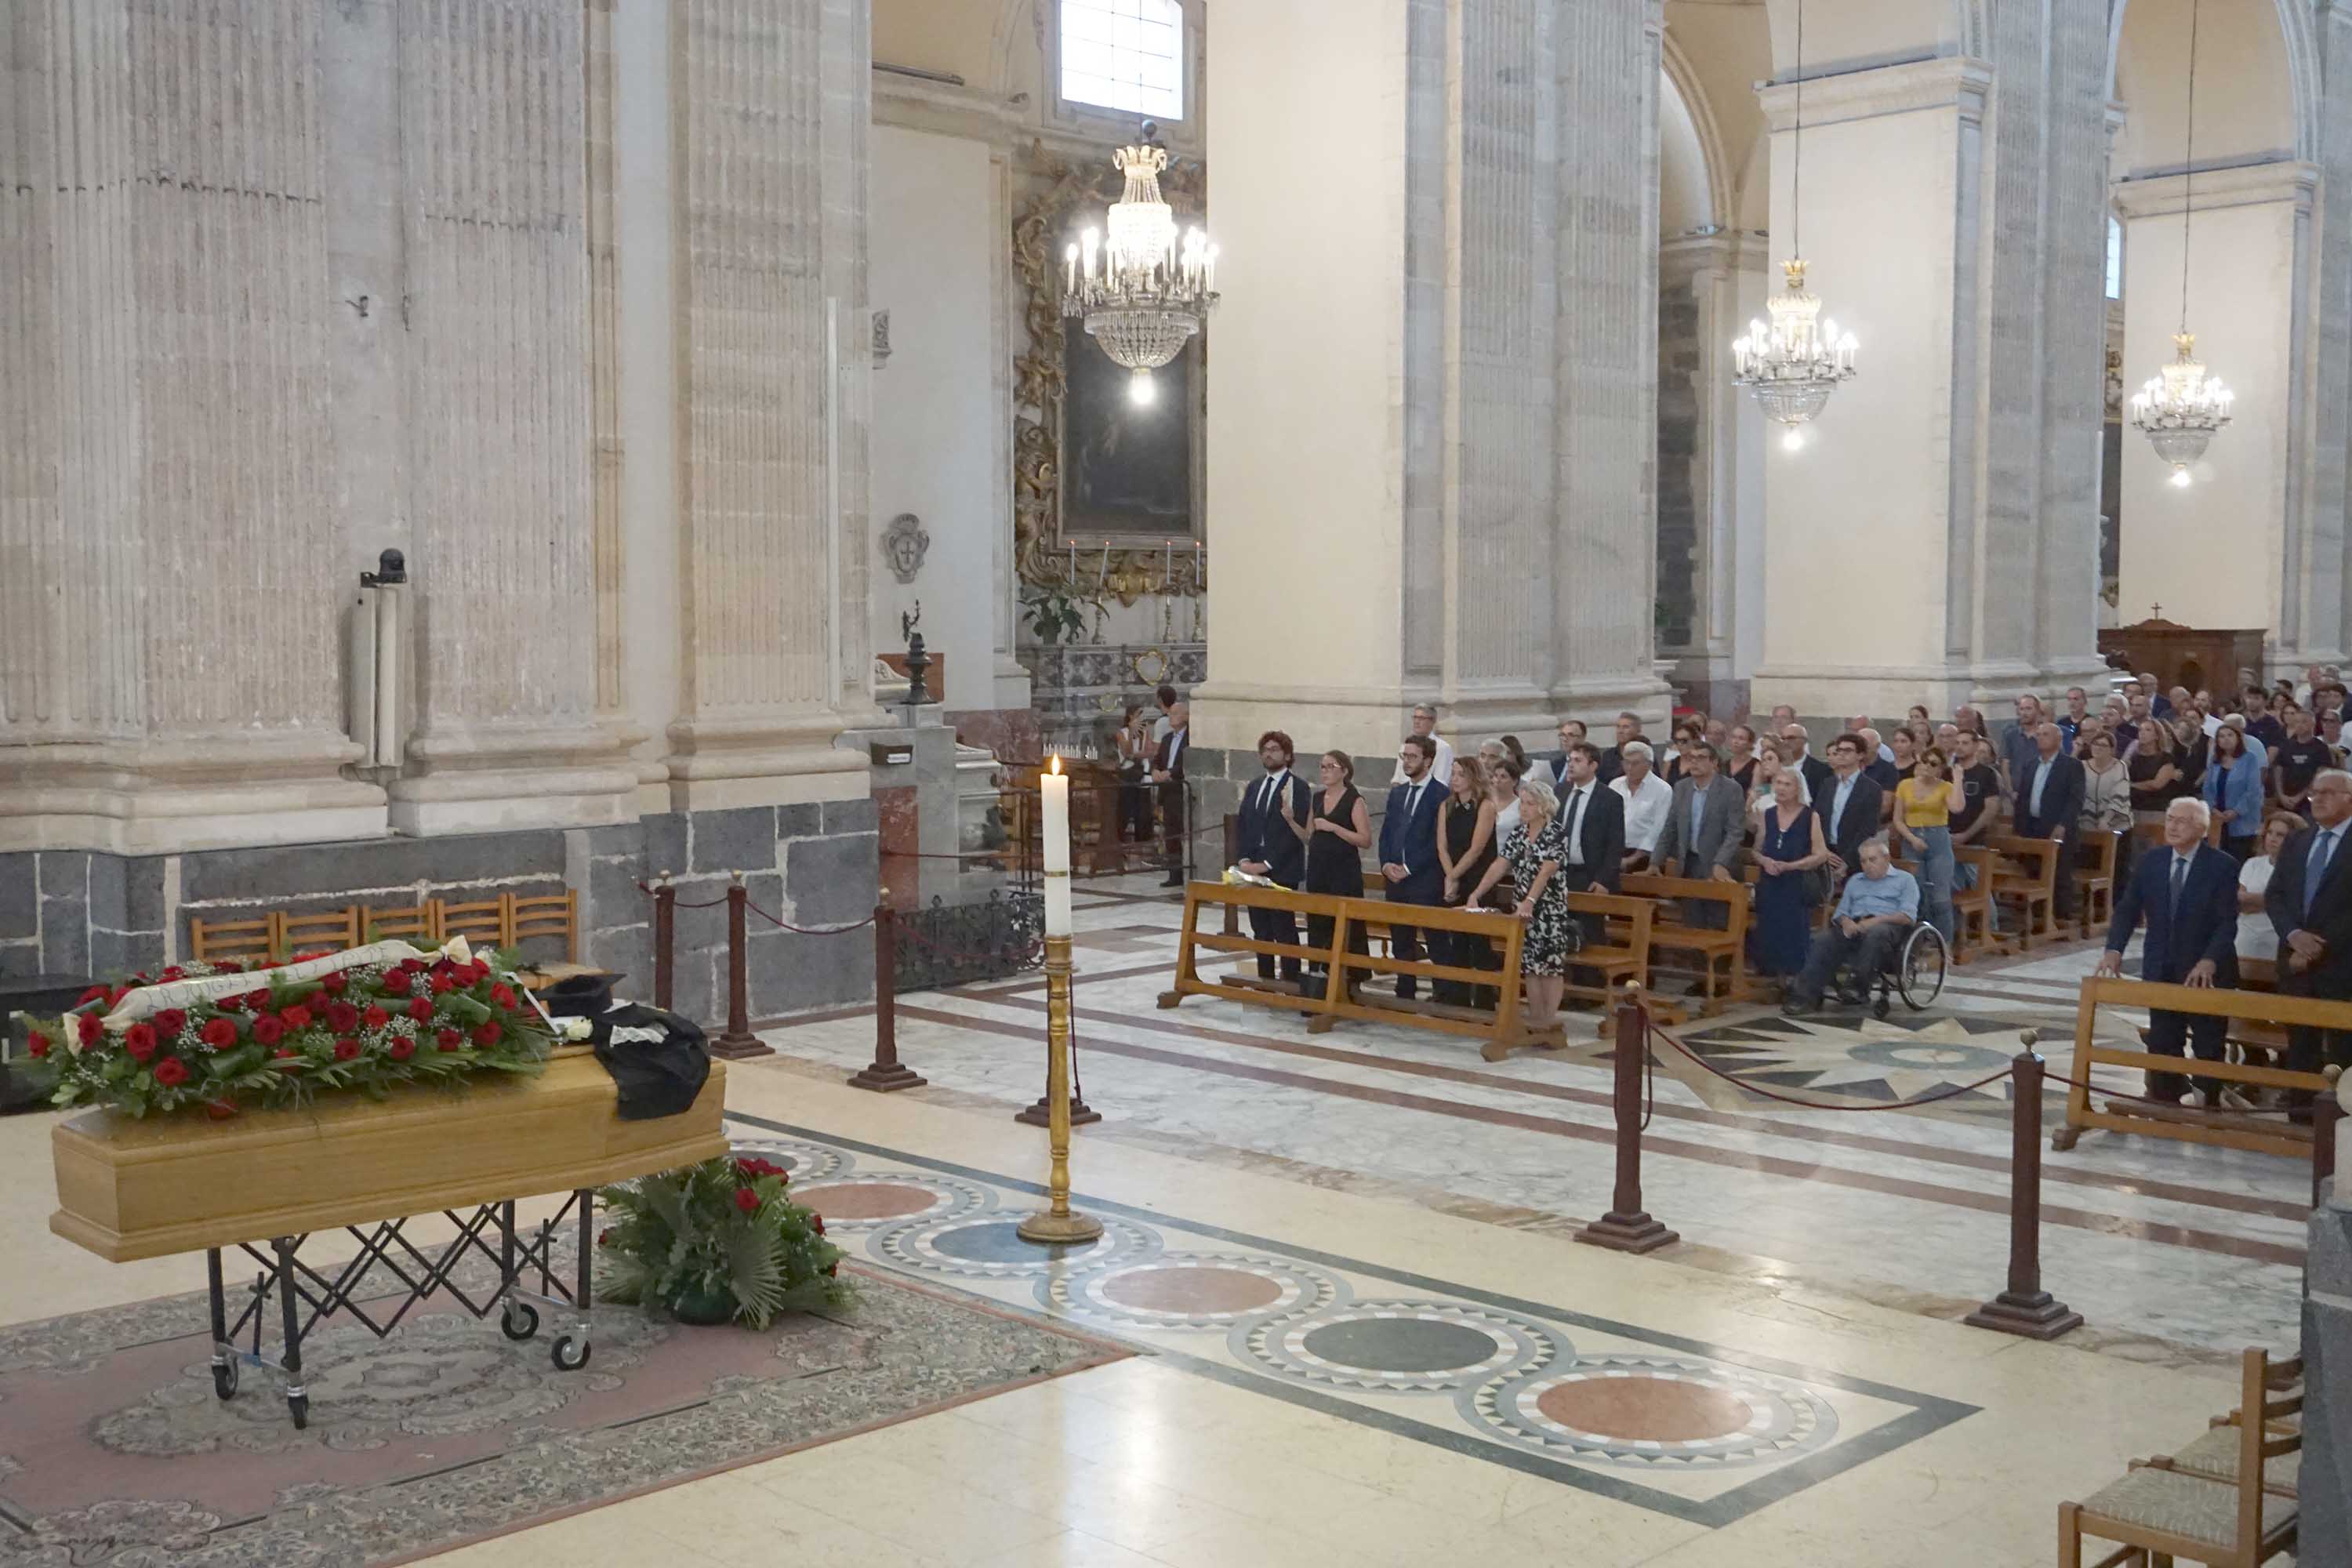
(1864, 937)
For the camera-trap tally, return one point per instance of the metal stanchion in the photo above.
(665, 939)
(2326, 1112)
(1059, 1225)
(738, 1041)
(886, 1071)
(1627, 1226)
(2025, 1308)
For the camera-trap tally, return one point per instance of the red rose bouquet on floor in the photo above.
(227, 1037)
(716, 1243)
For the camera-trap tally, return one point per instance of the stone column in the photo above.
(1464, 513)
(2249, 281)
(2330, 495)
(1704, 283)
(768, 167)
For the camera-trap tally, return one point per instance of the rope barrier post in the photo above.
(665, 940)
(1627, 1226)
(2025, 1308)
(2326, 1113)
(738, 1041)
(885, 1072)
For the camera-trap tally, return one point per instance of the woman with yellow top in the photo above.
(1923, 819)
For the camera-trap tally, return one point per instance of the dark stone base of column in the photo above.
(1627, 1233)
(1041, 1114)
(2039, 1316)
(738, 1047)
(882, 1077)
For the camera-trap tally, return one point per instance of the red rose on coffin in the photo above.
(170, 1072)
(402, 1047)
(257, 1000)
(296, 1017)
(830, 1270)
(450, 1040)
(420, 1009)
(37, 1043)
(86, 1026)
(92, 994)
(228, 966)
(285, 1056)
(481, 970)
(397, 981)
(170, 1021)
(139, 1041)
(333, 985)
(343, 1017)
(488, 1034)
(747, 1200)
(307, 957)
(501, 996)
(267, 1030)
(174, 972)
(442, 980)
(375, 1018)
(220, 1109)
(231, 1004)
(346, 1049)
(114, 997)
(219, 1034)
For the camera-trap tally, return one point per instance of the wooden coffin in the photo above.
(130, 1189)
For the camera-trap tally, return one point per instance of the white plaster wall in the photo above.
(934, 440)
(1304, 433)
(1856, 527)
(2240, 307)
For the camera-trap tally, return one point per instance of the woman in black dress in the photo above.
(1465, 845)
(1336, 830)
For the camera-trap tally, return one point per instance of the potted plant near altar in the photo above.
(715, 1243)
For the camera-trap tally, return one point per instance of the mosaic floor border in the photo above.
(1685, 1428)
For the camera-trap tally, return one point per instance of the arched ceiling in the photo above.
(2247, 95)
(1685, 199)
(1858, 32)
(1725, 49)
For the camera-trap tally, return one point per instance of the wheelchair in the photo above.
(1916, 975)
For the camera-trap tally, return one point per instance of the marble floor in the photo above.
(1364, 1333)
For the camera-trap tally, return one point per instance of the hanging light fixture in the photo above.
(2181, 408)
(1793, 365)
(1140, 292)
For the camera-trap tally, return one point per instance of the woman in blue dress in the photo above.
(1789, 845)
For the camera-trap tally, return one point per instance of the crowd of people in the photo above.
(2256, 779)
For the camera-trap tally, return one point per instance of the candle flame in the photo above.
(1056, 767)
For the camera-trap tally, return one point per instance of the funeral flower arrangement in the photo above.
(227, 1037)
(717, 1242)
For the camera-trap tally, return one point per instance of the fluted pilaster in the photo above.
(2323, 630)
(605, 362)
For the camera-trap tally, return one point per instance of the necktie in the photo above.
(2180, 875)
(1575, 822)
(2323, 850)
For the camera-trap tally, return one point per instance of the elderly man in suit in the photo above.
(2310, 902)
(1168, 774)
(1848, 802)
(2049, 800)
(2187, 892)
(1704, 826)
(1268, 847)
(1409, 847)
(1795, 747)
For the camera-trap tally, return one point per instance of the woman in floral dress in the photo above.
(1531, 855)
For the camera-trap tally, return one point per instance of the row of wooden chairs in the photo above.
(2227, 1499)
(506, 919)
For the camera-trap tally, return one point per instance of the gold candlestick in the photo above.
(1058, 1225)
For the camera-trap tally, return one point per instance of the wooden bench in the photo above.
(1621, 956)
(2263, 1135)
(2026, 875)
(1499, 1031)
(1972, 907)
(2094, 888)
(1721, 953)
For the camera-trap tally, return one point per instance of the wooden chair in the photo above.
(1721, 953)
(212, 941)
(413, 924)
(1972, 907)
(2094, 889)
(547, 915)
(2027, 875)
(332, 930)
(485, 922)
(2225, 1500)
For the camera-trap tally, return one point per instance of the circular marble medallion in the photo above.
(1961, 1061)
(893, 1197)
(1657, 1412)
(802, 1161)
(1400, 1345)
(989, 1247)
(1189, 1290)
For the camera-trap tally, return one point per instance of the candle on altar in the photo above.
(1105, 574)
(1055, 786)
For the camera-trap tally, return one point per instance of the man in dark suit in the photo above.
(1268, 847)
(2049, 800)
(1705, 827)
(1795, 749)
(1167, 772)
(1848, 802)
(2188, 892)
(1592, 819)
(2310, 903)
(1612, 761)
(1409, 847)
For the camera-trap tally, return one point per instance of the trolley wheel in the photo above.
(569, 1354)
(298, 1405)
(518, 1321)
(224, 1379)
(1926, 959)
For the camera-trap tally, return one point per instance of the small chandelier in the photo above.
(2181, 408)
(1793, 365)
(1140, 292)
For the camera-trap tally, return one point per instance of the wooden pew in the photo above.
(1622, 954)
(2094, 888)
(2027, 874)
(1972, 907)
(1721, 955)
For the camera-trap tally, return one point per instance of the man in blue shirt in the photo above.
(1874, 914)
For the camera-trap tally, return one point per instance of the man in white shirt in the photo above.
(1647, 801)
(1424, 723)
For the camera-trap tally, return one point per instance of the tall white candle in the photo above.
(1055, 786)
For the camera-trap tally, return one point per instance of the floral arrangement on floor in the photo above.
(715, 1243)
(229, 1038)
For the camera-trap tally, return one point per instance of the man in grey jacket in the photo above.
(1705, 826)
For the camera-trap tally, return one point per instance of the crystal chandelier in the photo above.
(1793, 365)
(2181, 408)
(1140, 291)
